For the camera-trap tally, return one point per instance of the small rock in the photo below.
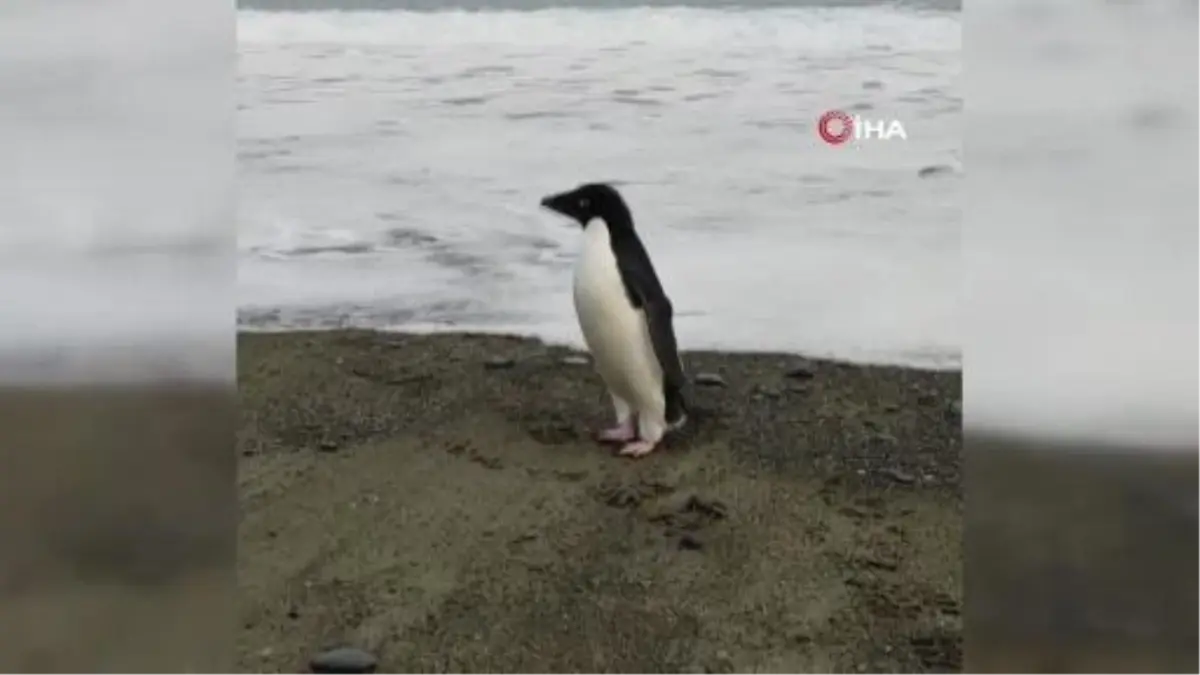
(343, 660)
(709, 380)
(899, 476)
(571, 476)
(499, 363)
(956, 408)
(884, 438)
(936, 169)
(689, 542)
(327, 446)
(761, 391)
(712, 508)
(575, 361)
(800, 373)
(853, 512)
(293, 614)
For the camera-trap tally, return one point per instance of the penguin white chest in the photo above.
(615, 331)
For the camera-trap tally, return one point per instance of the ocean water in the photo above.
(392, 156)
(116, 191)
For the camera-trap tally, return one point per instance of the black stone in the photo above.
(343, 660)
(499, 363)
(800, 373)
(899, 476)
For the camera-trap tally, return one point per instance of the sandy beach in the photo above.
(438, 501)
(117, 528)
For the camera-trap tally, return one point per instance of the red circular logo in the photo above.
(835, 127)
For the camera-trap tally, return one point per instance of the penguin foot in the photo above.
(638, 449)
(619, 434)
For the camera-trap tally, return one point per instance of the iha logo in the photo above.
(836, 127)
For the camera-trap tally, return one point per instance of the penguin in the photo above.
(626, 319)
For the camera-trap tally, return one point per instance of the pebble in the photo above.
(709, 380)
(498, 363)
(343, 660)
(800, 373)
(956, 408)
(328, 446)
(899, 476)
(689, 542)
(575, 360)
(884, 438)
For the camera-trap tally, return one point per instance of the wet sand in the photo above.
(438, 501)
(117, 528)
(1081, 557)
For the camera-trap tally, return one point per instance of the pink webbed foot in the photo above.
(638, 449)
(621, 433)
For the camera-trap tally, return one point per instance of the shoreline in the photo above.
(576, 344)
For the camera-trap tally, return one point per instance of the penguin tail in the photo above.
(677, 407)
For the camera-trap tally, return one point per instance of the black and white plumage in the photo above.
(626, 319)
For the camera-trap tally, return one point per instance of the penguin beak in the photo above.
(555, 204)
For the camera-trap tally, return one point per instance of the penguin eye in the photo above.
(585, 202)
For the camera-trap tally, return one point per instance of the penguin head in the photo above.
(590, 201)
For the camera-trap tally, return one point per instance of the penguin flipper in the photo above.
(662, 336)
(646, 294)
